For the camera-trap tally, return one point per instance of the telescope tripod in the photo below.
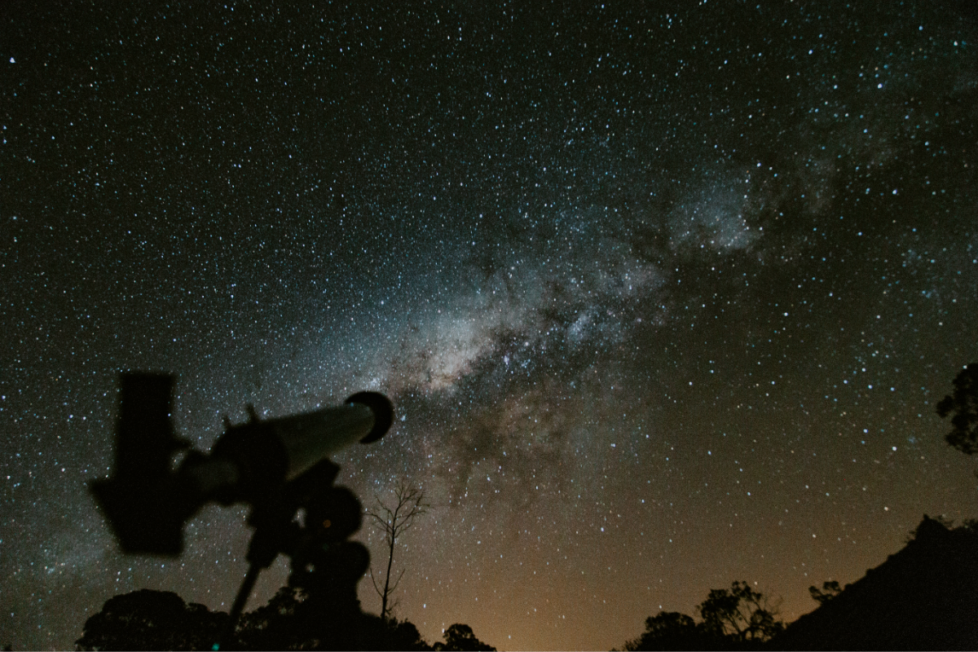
(310, 521)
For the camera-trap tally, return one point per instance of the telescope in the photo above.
(279, 467)
(147, 502)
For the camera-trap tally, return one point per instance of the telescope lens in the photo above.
(383, 411)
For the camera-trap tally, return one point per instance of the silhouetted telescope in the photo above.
(147, 502)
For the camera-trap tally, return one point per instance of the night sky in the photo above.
(664, 293)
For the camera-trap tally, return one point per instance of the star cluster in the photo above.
(664, 296)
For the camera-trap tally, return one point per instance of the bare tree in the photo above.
(393, 521)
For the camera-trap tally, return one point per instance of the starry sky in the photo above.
(664, 293)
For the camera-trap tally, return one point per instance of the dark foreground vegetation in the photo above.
(159, 620)
(924, 597)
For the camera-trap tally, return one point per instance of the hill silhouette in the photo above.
(924, 597)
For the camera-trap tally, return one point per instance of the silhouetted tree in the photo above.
(272, 626)
(459, 637)
(151, 620)
(393, 522)
(927, 523)
(737, 618)
(964, 404)
(671, 630)
(291, 620)
(739, 614)
(828, 591)
(403, 635)
(157, 620)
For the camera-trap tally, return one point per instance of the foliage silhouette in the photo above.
(964, 404)
(828, 591)
(737, 618)
(293, 619)
(671, 630)
(925, 525)
(460, 637)
(158, 620)
(403, 635)
(268, 627)
(151, 620)
(739, 614)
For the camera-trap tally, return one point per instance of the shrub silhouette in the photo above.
(151, 620)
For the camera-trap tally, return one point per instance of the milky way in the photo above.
(664, 297)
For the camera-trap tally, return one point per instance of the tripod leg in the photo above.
(239, 603)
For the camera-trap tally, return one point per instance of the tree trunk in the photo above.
(387, 582)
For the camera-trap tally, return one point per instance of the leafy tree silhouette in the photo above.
(403, 635)
(927, 523)
(460, 637)
(739, 614)
(738, 618)
(151, 620)
(268, 626)
(291, 620)
(828, 591)
(671, 630)
(157, 620)
(964, 404)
